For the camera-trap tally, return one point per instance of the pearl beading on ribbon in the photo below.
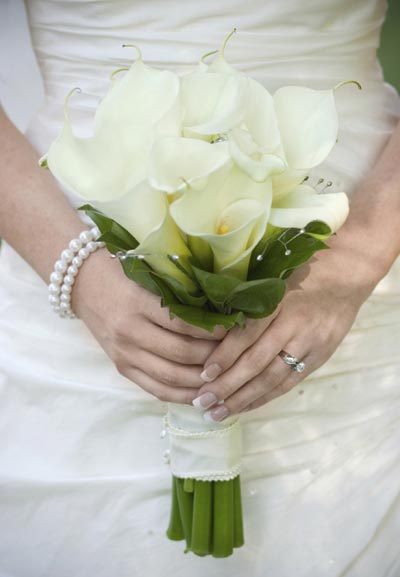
(67, 268)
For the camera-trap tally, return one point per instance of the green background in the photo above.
(389, 52)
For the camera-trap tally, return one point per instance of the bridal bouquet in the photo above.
(199, 184)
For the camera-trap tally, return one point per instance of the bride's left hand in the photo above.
(320, 305)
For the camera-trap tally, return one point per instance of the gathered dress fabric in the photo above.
(84, 488)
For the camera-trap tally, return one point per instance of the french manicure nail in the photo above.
(204, 401)
(211, 372)
(217, 414)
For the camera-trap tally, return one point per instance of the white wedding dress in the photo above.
(84, 490)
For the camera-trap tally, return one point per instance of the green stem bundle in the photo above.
(207, 515)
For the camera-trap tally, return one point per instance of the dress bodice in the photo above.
(277, 42)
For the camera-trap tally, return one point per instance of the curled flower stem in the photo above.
(226, 41)
(135, 47)
(207, 54)
(70, 93)
(118, 71)
(348, 82)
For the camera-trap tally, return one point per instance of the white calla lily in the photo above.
(304, 204)
(213, 103)
(175, 163)
(308, 124)
(139, 107)
(251, 158)
(144, 212)
(229, 215)
(256, 145)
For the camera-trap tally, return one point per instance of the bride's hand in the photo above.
(163, 356)
(320, 305)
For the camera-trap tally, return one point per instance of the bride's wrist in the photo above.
(362, 265)
(92, 280)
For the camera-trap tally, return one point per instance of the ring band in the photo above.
(291, 360)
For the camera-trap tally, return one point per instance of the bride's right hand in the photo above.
(163, 356)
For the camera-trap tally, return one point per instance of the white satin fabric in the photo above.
(84, 490)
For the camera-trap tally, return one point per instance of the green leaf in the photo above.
(117, 235)
(181, 293)
(318, 229)
(204, 319)
(140, 272)
(217, 287)
(277, 264)
(43, 162)
(271, 234)
(258, 298)
(113, 243)
(202, 255)
(183, 264)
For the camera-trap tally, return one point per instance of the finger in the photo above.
(284, 387)
(238, 340)
(278, 375)
(176, 347)
(159, 390)
(252, 362)
(160, 316)
(168, 372)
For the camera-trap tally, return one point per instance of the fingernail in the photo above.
(217, 414)
(204, 401)
(211, 372)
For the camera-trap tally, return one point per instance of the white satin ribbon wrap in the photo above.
(201, 450)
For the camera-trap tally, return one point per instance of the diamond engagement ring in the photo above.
(291, 360)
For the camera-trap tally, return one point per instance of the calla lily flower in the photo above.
(229, 215)
(144, 212)
(304, 204)
(138, 108)
(308, 127)
(213, 103)
(176, 163)
(283, 136)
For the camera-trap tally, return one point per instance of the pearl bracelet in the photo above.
(66, 269)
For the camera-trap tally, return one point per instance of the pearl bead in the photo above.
(91, 246)
(72, 270)
(83, 253)
(56, 278)
(77, 261)
(75, 244)
(67, 255)
(60, 266)
(86, 236)
(66, 269)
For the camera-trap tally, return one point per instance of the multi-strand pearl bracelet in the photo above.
(66, 269)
